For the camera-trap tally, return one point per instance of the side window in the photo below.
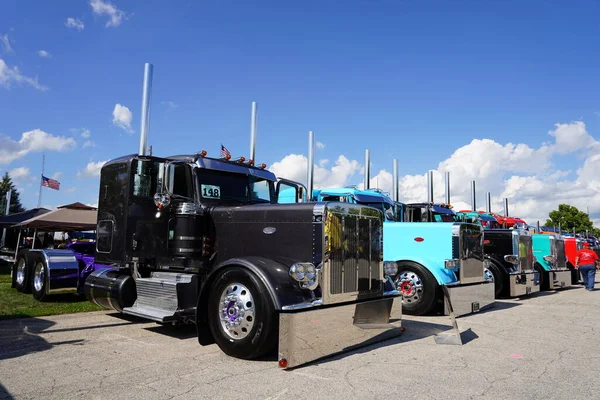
(180, 179)
(104, 236)
(261, 190)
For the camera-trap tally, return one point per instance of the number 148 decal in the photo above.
(210, 191)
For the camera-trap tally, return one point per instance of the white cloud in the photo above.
(294, 166)
(92, 169)
(44, 54)
(32, 141)
(57, 175)
(9, 75)
(89, 143)
(320, 145)
(20, 175)
(323, 162)
(85, 133)
(523, 174)
(115, 15)
(122, 118)
(70, 190)
(6, 47)
(169, 105)
(74, 23)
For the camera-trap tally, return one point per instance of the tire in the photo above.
(544, 276)
(39, 276)
(22, 272)
(499, 279)
(257, 332)
(418, 286)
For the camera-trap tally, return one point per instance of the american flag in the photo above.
(224, 151)
(50, 183)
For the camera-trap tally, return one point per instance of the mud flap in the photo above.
(454, 337)
(310, 334)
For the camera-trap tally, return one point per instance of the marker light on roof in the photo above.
(242, 159)
(228, 157)
(203, 153)
(250, 162)
(263, 166)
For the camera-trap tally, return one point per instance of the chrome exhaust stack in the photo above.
(505, 207)
(489, 203)
(311, 165)
(430, 186)
(395, 194)
(447, 176)
(146, 99)
(367, 183)
(473, 197)
(253, 121)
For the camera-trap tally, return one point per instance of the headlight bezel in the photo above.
(306, 274)
(390, 268)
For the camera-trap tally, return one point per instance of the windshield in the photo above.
(387, 209)
(437, 217)
(221, 186)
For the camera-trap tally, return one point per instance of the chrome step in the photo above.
(157, 298)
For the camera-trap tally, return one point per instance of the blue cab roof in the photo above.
(363, 196)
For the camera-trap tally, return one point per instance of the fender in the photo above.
(63, 270)
(442, 275)
(273, 274)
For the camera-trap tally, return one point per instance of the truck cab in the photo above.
(426, 256)
(509, 253)
(551, 261)
(190, 238)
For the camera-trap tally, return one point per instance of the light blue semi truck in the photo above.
(427, 255)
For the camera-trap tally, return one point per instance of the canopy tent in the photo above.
(9, 220)
(76, 217)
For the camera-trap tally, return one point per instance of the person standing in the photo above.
(586, 261)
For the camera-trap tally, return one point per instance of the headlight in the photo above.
(451, 264)
(549, 259)
(306, 274)
(390, 268)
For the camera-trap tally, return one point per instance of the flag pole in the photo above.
(41, 180)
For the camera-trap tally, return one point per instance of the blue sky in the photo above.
(411, 80)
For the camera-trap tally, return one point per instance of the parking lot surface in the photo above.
(543, 347)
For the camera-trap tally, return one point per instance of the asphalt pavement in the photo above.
(542, 347)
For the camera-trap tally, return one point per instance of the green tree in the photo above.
(570, 217)
(7, 184)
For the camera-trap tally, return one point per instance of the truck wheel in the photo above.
(39, 277)
(499, 279)
(418, 288)
(241, 315)
(23, 272)
(544, 276)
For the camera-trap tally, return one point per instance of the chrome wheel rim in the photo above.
(488, 275)
(38, 277)
(21, 271)
(236, 311)
(410, 285)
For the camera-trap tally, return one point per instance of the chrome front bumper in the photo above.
(524, 283)
(467, 299)
(559, 279)
(309, 334)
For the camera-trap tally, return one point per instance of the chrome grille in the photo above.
(561, 257)
(353, 262)
(471, 253)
